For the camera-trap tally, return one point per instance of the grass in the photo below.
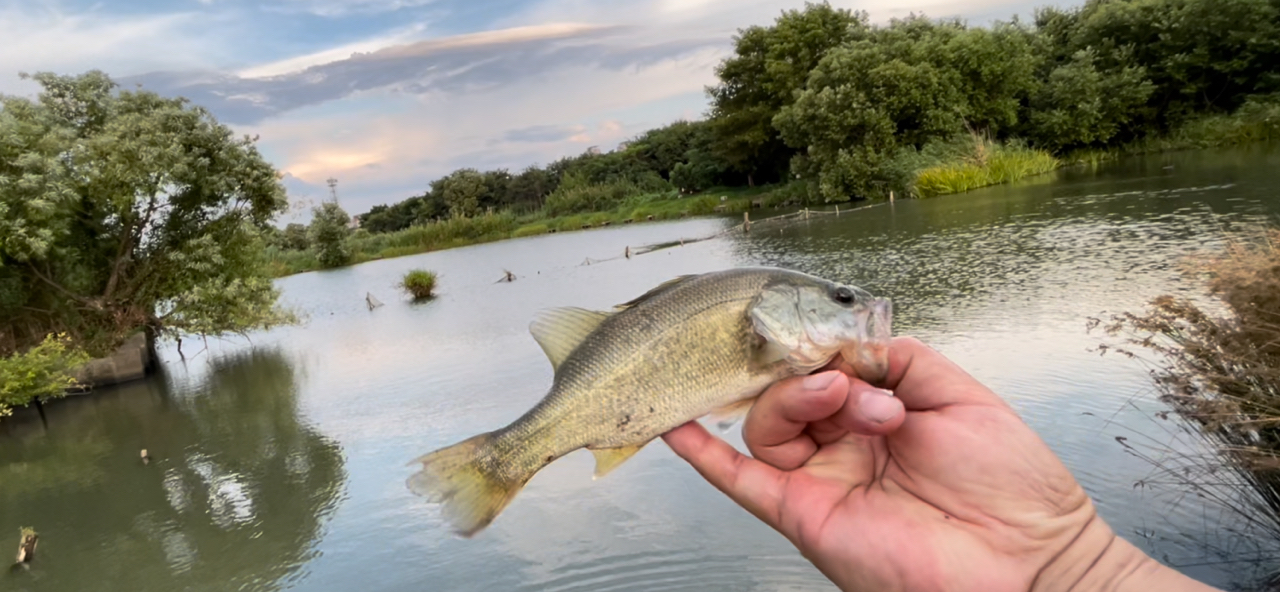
(986, 163)
(419, 283)
(1222, 372)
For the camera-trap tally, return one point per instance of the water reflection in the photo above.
(234, 497)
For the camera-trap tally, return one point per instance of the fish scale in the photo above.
(682, 350)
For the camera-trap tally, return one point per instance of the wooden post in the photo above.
(746, 222)
(627, 252)
(837, 210)
(890, 196)
(27, 546)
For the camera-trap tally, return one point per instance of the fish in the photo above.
(696, 345)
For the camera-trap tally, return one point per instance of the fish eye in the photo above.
(843, 295)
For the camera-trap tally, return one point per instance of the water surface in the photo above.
(279, 461)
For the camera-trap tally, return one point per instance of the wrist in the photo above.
(1098, 560)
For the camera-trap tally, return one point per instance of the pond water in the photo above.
(278, 461)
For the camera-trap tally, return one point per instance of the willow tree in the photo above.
(121, 210)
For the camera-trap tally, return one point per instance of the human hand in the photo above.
(941, 487)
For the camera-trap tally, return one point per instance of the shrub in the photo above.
(43, 371)
(419, 283)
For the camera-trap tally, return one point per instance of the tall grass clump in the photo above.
(1222, 371)
(419, 283)
(982, 163)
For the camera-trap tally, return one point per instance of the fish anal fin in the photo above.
(560, 330)
(608, 459)
(730, 414)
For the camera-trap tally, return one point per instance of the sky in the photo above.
(386, 95)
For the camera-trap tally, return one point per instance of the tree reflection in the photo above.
(233, 499)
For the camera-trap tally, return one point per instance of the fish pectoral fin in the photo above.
(730, 414)
(560, 330)
(608, 459)
(770, 352)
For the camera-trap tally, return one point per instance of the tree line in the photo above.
(844, 108)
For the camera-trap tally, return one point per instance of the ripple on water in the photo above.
(685, 569)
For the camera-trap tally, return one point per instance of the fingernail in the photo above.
(817, 382)
(878, 405)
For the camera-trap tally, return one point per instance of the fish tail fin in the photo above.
(462, 479)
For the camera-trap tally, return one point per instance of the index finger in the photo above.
(924, 379)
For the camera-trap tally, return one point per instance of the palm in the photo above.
(956, 485)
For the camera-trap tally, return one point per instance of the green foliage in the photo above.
(1201, 56)
(43, 371)
(1078, 105)
(463, 190)
(575, 194)
(295, 237)
(769, 66)
(113, 203)
(984, 163)
(419, 283)
(328, 232)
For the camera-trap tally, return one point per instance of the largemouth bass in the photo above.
(695, 345)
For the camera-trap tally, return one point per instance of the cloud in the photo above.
(456, 64)
(544, 133)
(338, 8)
(37, 39)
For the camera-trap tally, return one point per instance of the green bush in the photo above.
(419, 283)
(43, 371)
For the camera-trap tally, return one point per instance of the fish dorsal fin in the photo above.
(560, 330)
(660, 288)
(608, 459)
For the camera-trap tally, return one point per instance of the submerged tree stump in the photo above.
(27, 545)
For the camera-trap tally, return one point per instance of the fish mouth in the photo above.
(868, 351)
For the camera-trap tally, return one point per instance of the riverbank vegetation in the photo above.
(822, 107)
(1222, 371)
(420, 284)
(121, 211)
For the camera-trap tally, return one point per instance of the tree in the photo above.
(462, 190)
(531, 187)
(863, 102)
(1200, 55)
(1079, 105)
(117, 207)
(328, 232)
(768, 67)
(295, 237)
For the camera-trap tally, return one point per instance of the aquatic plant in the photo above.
(419, 283)
(1222, 372)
